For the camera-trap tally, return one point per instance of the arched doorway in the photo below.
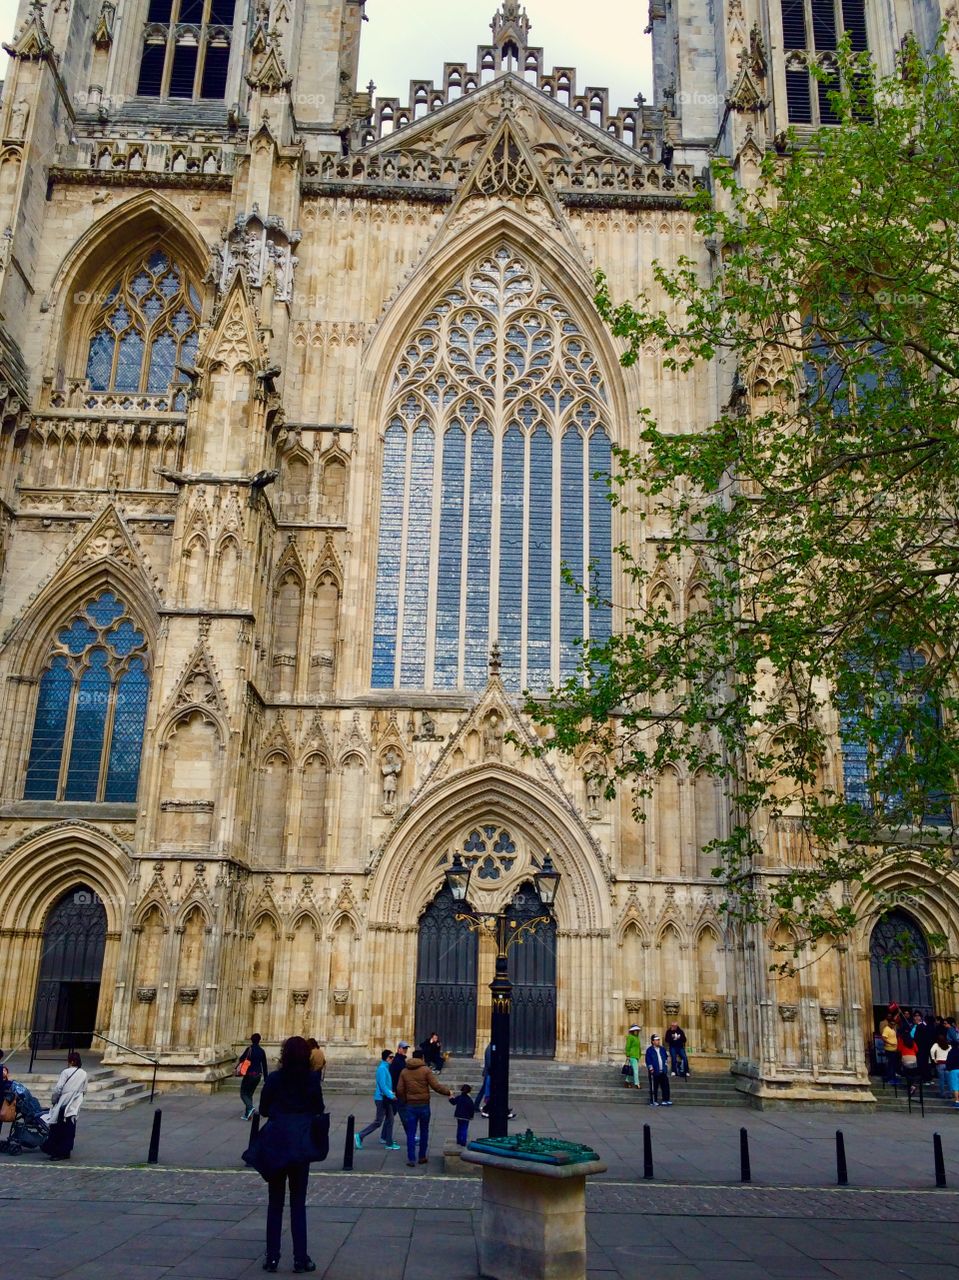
(71, 962)
(446, 977)
(899, 965)
(532, 968)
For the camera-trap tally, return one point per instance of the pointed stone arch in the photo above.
(407, 874)
(88, 268)
(104, 557)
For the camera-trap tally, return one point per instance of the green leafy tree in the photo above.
(820, 512)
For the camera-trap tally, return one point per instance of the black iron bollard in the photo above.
(647, 1152)
(842, 1174)
(154, 1153)
(745, 1174)
(349, 1146)
(940, 1162)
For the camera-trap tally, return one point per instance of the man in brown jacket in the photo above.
(413, 1091)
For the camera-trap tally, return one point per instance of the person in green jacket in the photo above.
(634, 1050)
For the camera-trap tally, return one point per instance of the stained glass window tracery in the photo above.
(497, 428)
(146, 324)
(91, 709)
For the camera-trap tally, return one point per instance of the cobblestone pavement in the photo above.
(200, 1214)
(693, 1144)
(148, 1224)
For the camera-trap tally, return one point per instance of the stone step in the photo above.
(106, 1090)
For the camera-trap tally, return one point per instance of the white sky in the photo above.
(411, 39)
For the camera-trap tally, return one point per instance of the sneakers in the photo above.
(484, 1113)
(673, 1074)
(271, 1264)
(306, 1265)
(357, 1142)
(653, 1104)
(411, 1164)
(665, 1104)
(392, 1146)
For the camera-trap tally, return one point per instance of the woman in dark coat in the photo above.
(292, 1097)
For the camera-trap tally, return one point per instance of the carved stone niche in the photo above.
(260, 995)
(341, 997)
(300, 997)
(671, 1008)
(710, 1008)
(633, 1004)
(188, 995)
(829, 1015)
(146, 995)
(788, 1012)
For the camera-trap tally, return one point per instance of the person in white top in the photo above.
(939, 1053)
(64, 1106)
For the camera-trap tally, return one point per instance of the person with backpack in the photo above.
(252, 1067)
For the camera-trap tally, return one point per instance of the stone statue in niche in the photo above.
(593, 795)
(492, 737)
(19, 114)
(390, 768)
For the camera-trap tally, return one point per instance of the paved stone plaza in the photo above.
(200, 1214)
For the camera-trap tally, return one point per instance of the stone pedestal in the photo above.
(534, 1218)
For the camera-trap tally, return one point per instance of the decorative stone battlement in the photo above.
(509, 53)
(413, 170)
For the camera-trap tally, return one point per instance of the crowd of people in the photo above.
(664, 1056)
(916, 1047)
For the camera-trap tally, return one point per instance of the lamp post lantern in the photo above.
(506, 931)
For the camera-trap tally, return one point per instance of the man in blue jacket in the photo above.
(657, 1067)
(385, 1100)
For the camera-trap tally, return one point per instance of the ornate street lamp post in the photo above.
(506, 931)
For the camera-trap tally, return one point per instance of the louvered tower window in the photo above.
(495, 468)
(186, 49)
(91, 708)
(812, 30)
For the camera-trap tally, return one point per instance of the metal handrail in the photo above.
(34, 1037)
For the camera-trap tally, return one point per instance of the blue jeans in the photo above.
(413, 1118)
(678, 1061)
(462, 1132)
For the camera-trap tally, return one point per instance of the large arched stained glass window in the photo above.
(495, 472)
(88, 730)
(145, 326)
(880, 746)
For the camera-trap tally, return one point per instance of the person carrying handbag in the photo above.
(252, 1067)
(297, 1132)
(65, 1102)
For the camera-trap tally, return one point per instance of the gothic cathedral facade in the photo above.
(304, 404)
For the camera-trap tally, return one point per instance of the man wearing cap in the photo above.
(633, 1051)
(399, 1062)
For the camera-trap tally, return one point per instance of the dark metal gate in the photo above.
(446, 977)
(532, 967)
(899, 964)
(71, 963)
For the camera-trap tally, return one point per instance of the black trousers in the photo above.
(299, 1176)
(659, 1083)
